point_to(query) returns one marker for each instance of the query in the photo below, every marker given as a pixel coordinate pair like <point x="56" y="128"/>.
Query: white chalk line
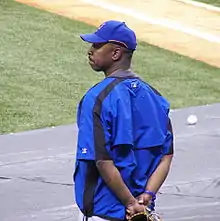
<point x="155" y="21"/>
<point x="201" y="5"/>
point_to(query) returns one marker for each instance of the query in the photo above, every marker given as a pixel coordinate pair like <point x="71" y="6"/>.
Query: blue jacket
<point x="123" y="119"/>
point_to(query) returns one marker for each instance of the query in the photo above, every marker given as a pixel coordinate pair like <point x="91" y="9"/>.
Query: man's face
<point x="101" y="56"/>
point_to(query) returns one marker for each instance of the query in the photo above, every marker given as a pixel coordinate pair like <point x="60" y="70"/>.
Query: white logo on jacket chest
<point x="134" y="84"/>
<point x="84" y="150"/>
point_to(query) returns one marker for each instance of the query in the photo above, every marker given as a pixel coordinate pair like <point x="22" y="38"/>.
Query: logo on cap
<point x="102" y="25"/>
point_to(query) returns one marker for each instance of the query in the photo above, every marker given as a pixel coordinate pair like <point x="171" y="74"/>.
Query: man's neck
<point x="113" y="70"/>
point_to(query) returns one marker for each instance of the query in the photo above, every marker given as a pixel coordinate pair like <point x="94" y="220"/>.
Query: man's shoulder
<point x="106" y="86"/>
<point x="101" y="90"/>
<point x="98" y="87"/>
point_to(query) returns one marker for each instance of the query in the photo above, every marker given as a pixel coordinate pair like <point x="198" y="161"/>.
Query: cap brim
<point x="92" y="38"/>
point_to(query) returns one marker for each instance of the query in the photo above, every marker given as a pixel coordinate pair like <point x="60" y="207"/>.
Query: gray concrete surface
<point x="36" y="172"/>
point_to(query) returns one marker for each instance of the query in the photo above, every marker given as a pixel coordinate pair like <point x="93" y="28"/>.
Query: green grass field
<point x="212" y="2"/>
<point x="44" y="71"/>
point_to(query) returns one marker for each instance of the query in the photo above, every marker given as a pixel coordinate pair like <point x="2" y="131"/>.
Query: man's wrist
<point x="130" y="201"/>
<point x="151" y="193"/>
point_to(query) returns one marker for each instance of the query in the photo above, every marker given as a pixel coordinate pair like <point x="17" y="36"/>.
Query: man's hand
<point x="133" y="208"/>
<point x="144" y="199"/>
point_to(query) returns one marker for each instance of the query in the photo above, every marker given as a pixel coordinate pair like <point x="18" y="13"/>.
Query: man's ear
<point x="116" y="54"/>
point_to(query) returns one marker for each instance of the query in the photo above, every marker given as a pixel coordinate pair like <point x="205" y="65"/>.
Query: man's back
<point x="124" y="120"/>
<point x="149" y="112"/>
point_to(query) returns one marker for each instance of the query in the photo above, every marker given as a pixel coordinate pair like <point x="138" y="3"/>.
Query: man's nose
<point x="90" y="51"/>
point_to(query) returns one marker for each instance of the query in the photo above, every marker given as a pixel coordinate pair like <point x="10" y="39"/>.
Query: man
<point x="124" y="148"/>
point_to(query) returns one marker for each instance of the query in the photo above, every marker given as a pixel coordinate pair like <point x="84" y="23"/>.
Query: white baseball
<point x="192" y="119"/>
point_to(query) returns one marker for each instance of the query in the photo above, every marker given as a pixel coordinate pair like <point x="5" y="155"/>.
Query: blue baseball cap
<point x="112" y="31"/>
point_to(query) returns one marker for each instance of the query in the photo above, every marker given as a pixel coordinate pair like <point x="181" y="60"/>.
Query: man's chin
<point x="95" y="68"/>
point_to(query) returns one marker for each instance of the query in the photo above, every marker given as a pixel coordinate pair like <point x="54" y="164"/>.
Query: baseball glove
<point x="144" y="216"/>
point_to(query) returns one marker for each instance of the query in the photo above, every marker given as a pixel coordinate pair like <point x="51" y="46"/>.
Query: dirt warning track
<point x="177" y="25"/>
